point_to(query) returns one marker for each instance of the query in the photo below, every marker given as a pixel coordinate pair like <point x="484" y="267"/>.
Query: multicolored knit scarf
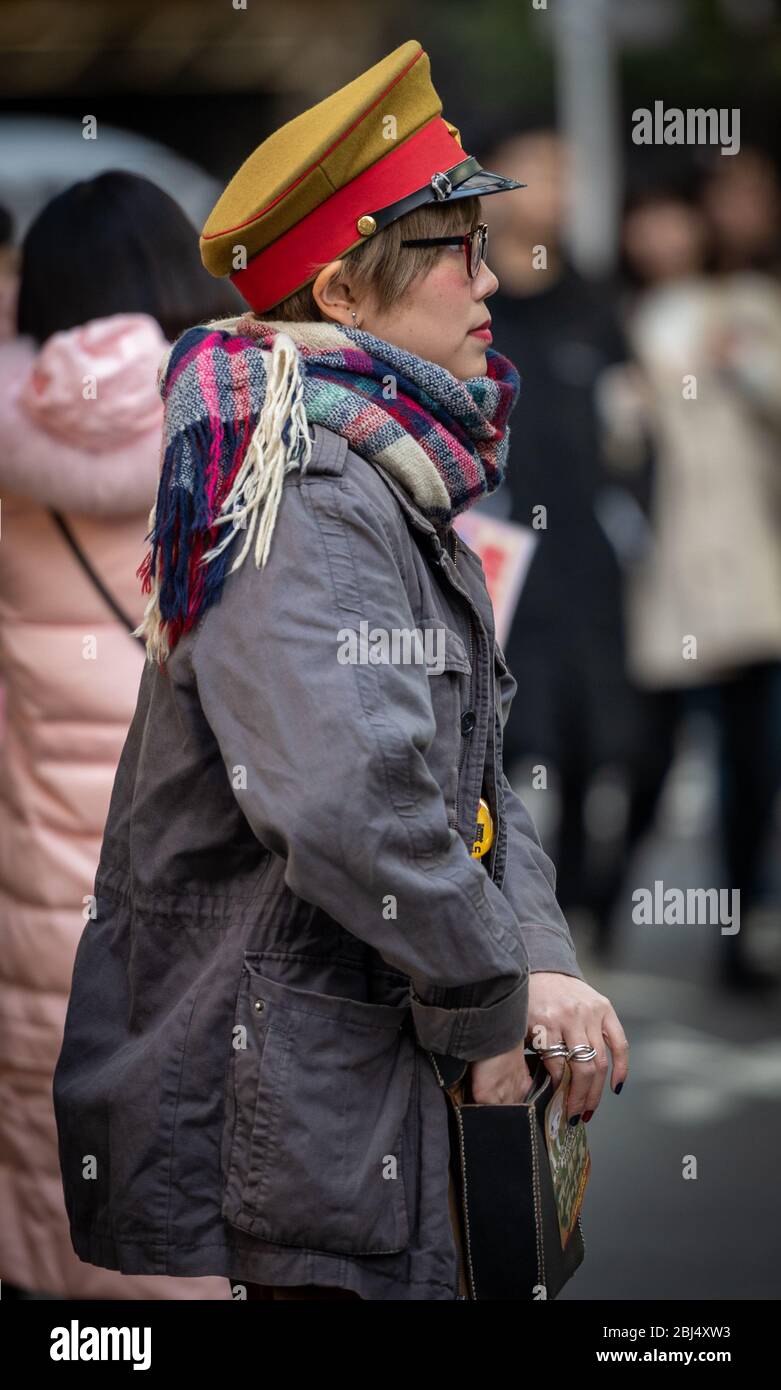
<point x="239" y="395"/>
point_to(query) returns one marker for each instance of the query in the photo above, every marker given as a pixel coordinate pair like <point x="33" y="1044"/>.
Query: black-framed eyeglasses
<point x="475" y="244"/>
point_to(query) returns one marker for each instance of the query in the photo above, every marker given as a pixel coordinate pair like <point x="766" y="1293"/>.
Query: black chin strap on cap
<point x="441" y="185"/>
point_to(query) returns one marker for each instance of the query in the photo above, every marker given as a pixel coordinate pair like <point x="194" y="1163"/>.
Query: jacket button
<point x="260" y="1005"/>
<point x="468" y="721"/>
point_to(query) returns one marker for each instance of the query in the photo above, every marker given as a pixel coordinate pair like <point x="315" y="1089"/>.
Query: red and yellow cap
<point x="335" y="175"/>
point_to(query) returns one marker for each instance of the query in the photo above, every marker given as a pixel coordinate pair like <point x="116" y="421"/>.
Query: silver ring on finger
<point x="558" y="1049"/>
<point x="582" y="1052"/>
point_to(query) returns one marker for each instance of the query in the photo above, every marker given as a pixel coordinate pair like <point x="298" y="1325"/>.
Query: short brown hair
<point x="382" y="264"/>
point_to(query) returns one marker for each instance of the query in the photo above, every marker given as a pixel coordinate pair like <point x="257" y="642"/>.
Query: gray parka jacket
<point x="287" y="916"/>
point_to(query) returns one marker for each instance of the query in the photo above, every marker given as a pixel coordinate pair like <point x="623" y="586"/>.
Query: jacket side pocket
<point x="315" y="1119"/>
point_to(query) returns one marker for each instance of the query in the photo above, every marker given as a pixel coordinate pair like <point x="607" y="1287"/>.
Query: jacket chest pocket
<point x="316" y="1119"/>
<point x="448" y="669"/>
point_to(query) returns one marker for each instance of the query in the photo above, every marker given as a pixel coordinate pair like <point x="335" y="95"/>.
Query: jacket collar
<point x="414" y="513"/>
<point x="329" y="449"/>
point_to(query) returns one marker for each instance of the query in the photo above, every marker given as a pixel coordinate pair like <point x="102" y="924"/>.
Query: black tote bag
<point x="507" y="1200"/>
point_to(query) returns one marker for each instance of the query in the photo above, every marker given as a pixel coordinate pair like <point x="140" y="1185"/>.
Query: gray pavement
<point x="704" y="1093"/>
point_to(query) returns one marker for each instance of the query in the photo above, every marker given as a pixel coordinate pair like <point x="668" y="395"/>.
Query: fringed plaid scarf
<point x="239" y="394"/>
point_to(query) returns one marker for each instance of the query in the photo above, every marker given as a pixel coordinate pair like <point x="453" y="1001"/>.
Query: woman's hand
<point x="564" y="1008"/>
<point x="561" y="1008"/>
<point x="500" y="1080"/>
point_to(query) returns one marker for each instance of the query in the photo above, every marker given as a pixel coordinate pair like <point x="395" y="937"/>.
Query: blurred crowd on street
<point x="649" y="429"/>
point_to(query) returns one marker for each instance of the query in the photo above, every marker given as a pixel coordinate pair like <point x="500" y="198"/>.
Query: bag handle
<point x="83" y="560"/>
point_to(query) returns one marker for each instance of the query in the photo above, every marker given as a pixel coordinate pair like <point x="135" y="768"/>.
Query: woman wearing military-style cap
<point x="315" y="878"/>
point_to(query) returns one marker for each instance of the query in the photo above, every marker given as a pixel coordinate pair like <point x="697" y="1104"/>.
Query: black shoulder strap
<point x="96" y="580"/>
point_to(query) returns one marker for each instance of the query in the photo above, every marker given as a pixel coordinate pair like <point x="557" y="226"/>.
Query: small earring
<point x="356" y="324"/>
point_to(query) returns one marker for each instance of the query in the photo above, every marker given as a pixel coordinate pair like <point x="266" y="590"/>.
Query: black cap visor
<point x="481" y="184"/>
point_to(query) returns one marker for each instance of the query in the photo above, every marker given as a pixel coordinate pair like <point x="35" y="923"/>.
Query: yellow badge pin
<point x="485" y="830"/>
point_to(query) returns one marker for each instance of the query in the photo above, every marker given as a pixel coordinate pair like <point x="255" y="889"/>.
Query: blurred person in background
<point x="110" y="274"/>
<point x="575" y="712"/>
<point x="741" y="197"/>
<point x="705" y="599"/>
<point x="9" y="279"/>
<point x="9" y="276"/>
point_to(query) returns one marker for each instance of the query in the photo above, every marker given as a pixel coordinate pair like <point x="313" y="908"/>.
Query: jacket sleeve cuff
<point x="473" y="1033"/>
<point x="549" y="949"/>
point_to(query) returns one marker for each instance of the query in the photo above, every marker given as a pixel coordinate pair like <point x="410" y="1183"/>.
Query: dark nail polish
<point x="587" y="1116"/>
<point x="618" y="1088"/>
<point x="573" y="1119"/>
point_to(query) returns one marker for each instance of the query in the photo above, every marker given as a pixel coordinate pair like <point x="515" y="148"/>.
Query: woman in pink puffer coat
<point x="80" y="421"/>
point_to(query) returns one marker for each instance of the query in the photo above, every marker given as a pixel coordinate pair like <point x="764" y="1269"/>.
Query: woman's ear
<point x="332" y="294"/>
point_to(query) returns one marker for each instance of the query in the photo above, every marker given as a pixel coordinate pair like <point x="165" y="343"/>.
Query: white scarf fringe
<point x="257" y="488"/>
